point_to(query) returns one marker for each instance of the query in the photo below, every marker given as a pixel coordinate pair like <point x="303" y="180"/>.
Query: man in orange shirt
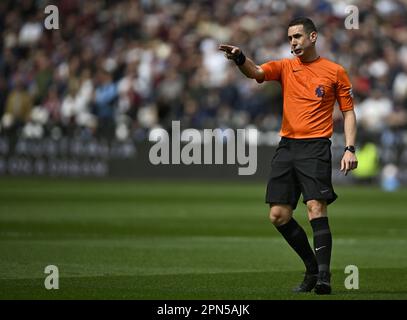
<point x="302" y="162"/>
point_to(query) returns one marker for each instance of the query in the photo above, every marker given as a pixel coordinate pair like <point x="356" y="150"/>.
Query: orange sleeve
<point x="272" y="70"/>
<point x="344" y="93"/>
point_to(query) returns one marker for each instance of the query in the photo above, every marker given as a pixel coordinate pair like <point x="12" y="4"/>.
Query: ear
<point x="313" y="36"/>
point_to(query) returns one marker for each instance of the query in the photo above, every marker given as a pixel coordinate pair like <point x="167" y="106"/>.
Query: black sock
<point x="322" y="242"/>
<point x="296" y="237"/>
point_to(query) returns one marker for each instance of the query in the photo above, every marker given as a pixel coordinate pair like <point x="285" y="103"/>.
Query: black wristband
<point x="240" y="59"/>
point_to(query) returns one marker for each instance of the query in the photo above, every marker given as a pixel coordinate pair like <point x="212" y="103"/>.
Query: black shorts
<point x="301" y="166"/>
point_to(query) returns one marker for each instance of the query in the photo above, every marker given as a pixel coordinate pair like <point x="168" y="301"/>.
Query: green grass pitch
<point x="186" y="240"/>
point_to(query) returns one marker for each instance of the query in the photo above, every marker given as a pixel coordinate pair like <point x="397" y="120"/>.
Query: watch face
<point x="350" y="148"/>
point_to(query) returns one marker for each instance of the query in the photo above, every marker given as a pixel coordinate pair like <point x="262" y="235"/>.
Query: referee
<point x="302" y="163"/>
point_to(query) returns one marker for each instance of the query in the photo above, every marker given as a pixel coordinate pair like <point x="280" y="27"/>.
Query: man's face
<point x="299" y="40"/>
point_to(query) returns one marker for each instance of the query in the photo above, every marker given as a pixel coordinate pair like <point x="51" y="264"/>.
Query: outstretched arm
<point x="246" y="65"/>
<point x="349" y="160"/>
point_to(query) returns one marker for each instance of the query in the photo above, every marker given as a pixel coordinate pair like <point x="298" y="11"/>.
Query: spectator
<point x="373" y="112"/>
<point x="104" y="103"/>
<point x="18" y="106"/>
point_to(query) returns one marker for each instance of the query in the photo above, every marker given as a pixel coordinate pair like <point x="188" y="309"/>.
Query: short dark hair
<point x="307" y="23"/>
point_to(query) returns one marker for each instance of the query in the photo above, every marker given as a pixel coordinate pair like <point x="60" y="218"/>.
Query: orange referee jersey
<point x="310" y="91"/>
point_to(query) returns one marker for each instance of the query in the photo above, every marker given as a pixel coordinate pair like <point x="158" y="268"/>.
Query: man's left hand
<point x="349" y="162"/>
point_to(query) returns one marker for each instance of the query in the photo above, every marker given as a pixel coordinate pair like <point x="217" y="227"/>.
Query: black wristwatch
<point x="350" y="148"/>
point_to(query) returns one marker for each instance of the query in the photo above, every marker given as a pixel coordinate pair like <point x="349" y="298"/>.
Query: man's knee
<point x="316" y="209"/>
<point x="280" y="214"/>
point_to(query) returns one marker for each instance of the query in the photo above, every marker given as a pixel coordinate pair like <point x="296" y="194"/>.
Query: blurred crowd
<point x="118" y="68"/>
